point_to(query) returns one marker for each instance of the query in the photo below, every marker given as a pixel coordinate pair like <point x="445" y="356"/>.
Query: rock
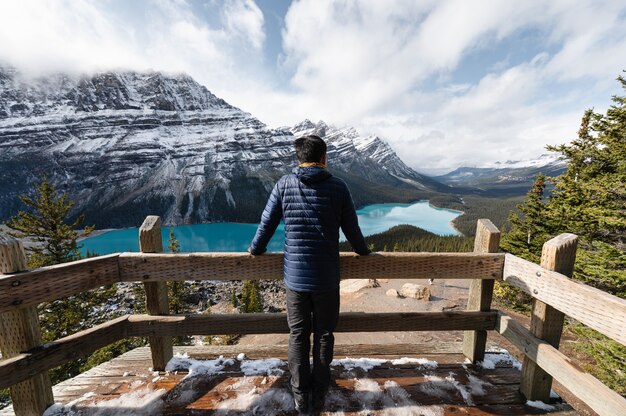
<point x="411" y="290"/>
<point x="354" y="285"/>
<point x="392" y="293"/>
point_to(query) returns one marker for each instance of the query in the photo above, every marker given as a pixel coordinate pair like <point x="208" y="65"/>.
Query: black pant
<point x="319" y="312"/>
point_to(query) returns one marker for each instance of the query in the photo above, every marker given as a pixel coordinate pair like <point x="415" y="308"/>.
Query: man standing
<point x="314" y="205"/>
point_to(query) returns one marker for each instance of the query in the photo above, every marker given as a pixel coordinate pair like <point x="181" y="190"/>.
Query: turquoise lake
<point x="234" y="237"/>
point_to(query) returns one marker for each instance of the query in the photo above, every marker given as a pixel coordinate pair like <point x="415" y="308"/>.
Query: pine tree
<point x="528" y="232"/>
<point x="173" y="243"/>
<point x="44" y="222"/>
<point x="176" y="288"/>
<point x="233" y="298"/>
<point x="251" y="300"/>
<point x="589" y="199"/>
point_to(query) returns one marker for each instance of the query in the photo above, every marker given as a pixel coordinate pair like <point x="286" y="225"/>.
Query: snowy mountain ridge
<point x="504" y="178"/>
<point x="543" y="160"/>
<point x="126" y="144"/>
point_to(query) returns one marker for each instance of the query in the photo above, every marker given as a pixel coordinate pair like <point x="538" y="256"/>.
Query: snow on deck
<point x="236" y="380"/>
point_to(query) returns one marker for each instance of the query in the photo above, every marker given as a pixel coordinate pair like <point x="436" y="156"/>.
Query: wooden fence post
<point x="20" y="331"/>
<point x="481" y="291"/>
<point x="546" y="323"/>
<point x="156" y="292"/>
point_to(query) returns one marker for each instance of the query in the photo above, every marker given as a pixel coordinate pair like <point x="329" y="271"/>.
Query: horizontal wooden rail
<point x="21" y="367"/>
<point x="142" y="267"/>
<point x="54" y="282"/>
<point x="584" y="386"/>
<point x="597" y="309"/>
<point x="274" y="323"/>
<point x="83" y="343"/>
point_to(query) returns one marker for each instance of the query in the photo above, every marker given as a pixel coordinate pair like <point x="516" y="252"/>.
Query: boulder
<point x="355" y="285"/>
<point x="392" y="293"/>
<point x="411" y="290"/>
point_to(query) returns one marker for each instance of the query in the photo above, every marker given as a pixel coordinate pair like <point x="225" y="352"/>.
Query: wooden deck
<point x="127" y="385"/>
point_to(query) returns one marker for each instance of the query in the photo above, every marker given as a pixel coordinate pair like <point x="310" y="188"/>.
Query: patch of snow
<point x="538" y="404"/>
<point x="491" y="360"/>
<point x="142" y="402"/>
<point x="138" y="402"/>
<point x="441" y="387"/>
<point x="365" y="364"/>
<point x="241" y="356"/>
<point x="270" y="366"/>
<point x="367" y="390"/>
<point x="55" y="409"/>
<point x="394" y="399"/>
<point x="476" y="385"/>
<point x="258" y="402"/>
<point x="554" y="395"/>
<point x="424" y="362"/>
<point x="183" y="362"/>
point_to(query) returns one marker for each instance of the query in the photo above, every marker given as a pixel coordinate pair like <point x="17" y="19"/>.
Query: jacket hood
<point x="311" y="174"/>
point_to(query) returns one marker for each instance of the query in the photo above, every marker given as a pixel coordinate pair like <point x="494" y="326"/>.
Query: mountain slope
<point x="126" y="144"/>
<point x="508" y="178"/>
<point x="349" y="151"/>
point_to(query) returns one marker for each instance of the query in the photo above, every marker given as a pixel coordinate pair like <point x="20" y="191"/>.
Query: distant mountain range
<point x="503" y="178"/>
<point x="124" y="145"/>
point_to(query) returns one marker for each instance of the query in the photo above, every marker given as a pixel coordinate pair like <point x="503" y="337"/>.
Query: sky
<point x="446" y="83"/>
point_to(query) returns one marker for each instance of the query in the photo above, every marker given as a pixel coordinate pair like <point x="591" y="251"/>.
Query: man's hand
<point x="255" y="253"/>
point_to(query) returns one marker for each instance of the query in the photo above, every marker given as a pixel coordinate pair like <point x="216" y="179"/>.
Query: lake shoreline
<point x="236" y="237"/>
<point x="451" y="223"/>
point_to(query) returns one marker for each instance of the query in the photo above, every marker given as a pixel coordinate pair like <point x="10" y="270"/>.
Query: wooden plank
<point x="55" y="282"/>
<point x="559" y="255"/>
<point x="142" y="267"/>
<point x="19" y="331"/>
<point x="584" y="386"/>
<point x="481" y="291"/>
<point x="157" y="303"/>
<point x="276" y="323"/>
<point x="53" y="354"/>
<point x="597" y="309"/>
<point x="445" y="351"/>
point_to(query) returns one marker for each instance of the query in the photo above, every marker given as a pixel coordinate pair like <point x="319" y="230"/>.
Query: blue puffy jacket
<point x="313" y="204"/>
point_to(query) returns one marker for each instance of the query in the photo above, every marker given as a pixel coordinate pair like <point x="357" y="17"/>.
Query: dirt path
<point x="445" y="295"/>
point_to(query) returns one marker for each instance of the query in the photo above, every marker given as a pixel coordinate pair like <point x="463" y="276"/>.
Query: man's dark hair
<point x="310" y="149"/>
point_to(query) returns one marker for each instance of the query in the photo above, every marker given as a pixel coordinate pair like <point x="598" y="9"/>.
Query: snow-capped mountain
<point x="348" y="151"/>
<point x="546" y="159"/>
<point x="510" y="177"/>
<point x="124" y="145"/>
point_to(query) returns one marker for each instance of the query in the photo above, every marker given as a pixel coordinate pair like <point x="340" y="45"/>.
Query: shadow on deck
<point x="439" y="384"/>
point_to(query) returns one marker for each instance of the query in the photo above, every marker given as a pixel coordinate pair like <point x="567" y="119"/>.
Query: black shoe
<point x="301" y="402"/>
<point x="319" y="398"/>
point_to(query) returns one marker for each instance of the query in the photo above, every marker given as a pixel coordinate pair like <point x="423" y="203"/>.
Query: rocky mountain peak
<point x="151" y="91"/>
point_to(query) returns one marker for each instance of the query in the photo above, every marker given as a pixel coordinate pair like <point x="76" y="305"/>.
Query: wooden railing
<point x="26" y="361"/>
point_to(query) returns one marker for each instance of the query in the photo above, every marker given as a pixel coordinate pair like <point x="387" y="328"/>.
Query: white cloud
<point x="383" y="66"/>
<point x="245" y="18"/>
<point x="91" y="35"/>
